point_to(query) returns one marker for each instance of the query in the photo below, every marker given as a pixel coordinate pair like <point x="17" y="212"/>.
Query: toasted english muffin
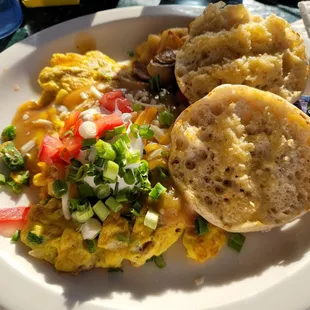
<point x="241" y="158"/>
<point x="228" y="45"/>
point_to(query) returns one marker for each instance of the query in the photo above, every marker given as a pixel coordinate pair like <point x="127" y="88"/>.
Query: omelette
<point x="96" y="147"/>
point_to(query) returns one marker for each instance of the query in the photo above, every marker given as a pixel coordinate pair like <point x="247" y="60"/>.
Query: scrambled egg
<point x="201" y="248"/>
<point x="69" y="72"/>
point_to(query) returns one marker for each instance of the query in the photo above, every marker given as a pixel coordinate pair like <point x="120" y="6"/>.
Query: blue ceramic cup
<point x="11" y="17"/>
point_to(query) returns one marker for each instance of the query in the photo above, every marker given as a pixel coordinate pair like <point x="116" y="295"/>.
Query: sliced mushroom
<point x="166" y="57"/>
<point x="128" y="81"/>
<point x="165" y="71"/>
<point x="139" y="69"/>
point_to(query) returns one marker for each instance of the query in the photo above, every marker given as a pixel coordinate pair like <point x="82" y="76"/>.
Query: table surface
<point x="36" y="19"/>
<point x="40" y="18"/>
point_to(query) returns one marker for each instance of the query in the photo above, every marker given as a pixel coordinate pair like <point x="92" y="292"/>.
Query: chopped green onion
<point x="68" y="133"/>
<point x="125" y="138"/>
<point x="2" y="178"/>
<point x="145" y="131"/>
<point x="87" y="143"/>
<point x="91" y="245"/>
<point x="157" y="190"/>
<point x="154" y="82"/>
<point x="21" y="177"/>
<point x="137" y="206"/>
<point x="82" y="172"/>
<point x="129" y="177"/>
<point x="151" y="219"/>
<point x="119" y="130"/>
<point x="34" y="238"/>
<point x="161" y="172"/>
<point x="113" y="204"/>
<point x="75" y="163"/>
<point x="80" y="205"/>
<point x="12" y="158"/>
<point x="101" y="210"/>
<point x="141" y="174"/>
<point x="121" y="198"/>
<point x="99" y="162"/>
<point x="159" y="261"/>
<point x="82" y="217"/>
<point x="165" y="118"/>
<point x="133" y="157"/>
<point x="109" y="134"/>
<point x="120" y="146"/>
<point x="86" y="190"/>
<point x="134" y="212"/>
<point x="131" y="53"/>
<point x="201" y="226"/>
<point x="115" y="270"/>
<point x="110" y="170"/>
<point x="134" y="129"/>
<point x="15" y="187"/>
<point x="136" y="107"/>
<point x="105" y="150"/>
<point x="236" y="241"/>
<point x="60" y="188"/>
<point x="16" y="236"/>
<point x="103" y="191"/>
<point x="8" y="133"/>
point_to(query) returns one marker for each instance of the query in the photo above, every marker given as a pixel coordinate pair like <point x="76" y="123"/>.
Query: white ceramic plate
<point x="271" y="272"/>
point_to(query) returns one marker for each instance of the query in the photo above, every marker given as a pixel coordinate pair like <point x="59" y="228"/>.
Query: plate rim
<point x="288" y="294"/>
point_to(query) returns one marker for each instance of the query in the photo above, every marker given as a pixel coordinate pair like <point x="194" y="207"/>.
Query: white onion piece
<point x="83" y="95"/>
<point x="156" y="153"/>
<point x="158" y="133"/>
<point x="126" y="117"/>
<point x="82" y="157"/>
<point x="122" y="184"/>
<point x="137" y="145"/>
<point x="88" y="130"/>
<point x="95" y="92"/>
<point x="90" y="229"/>
<point x="132" y="166"/>
<point x="43" y="122"/>
<point x="65" y="205"/>
<point x="90" y="181"/>
<point x="27" y="147"/>
<point x="87" y="115"/>
<point x="92" y="153"/>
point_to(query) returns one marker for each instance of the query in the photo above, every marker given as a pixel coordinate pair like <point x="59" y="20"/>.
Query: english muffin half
<point x="229" y="45"/>
<point x="241" y="158"/>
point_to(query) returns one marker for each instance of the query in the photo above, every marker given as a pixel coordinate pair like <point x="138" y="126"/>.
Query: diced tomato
<point x="76" y="128"/>
<point x="13" y="214"/>
<point x="108" y="122"/>
<point x="109" y="100"/>
<point x="124" y="105"/>
<point x="70" y="122"/>
<point x="50" y="147"/>
<point x="72" y="145"/>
